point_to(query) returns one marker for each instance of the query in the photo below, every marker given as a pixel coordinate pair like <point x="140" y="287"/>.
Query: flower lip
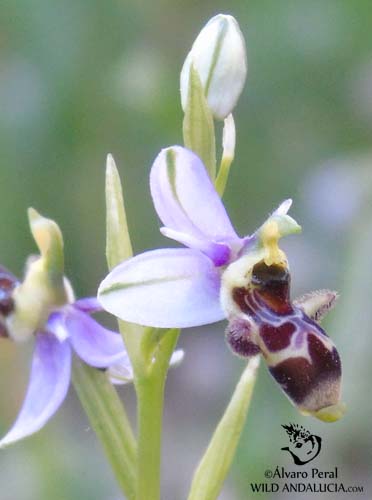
<point x="300" y="356"/>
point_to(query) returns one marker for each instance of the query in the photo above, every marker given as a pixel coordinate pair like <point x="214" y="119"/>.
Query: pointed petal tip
<point x="329" y="414"/>
<point x="110" y="162"/>
<point x="317" y="304"/>
<point x="32" y="213"/>
<point x="284" y="207"/>
<point x="229" y="137"/>
<point x="47" y="389"/>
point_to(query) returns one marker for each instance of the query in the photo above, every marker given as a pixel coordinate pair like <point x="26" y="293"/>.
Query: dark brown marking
<point x="299" y="378"/>
<point x="277" y="338"/>
<point x="7" y="284"/>
<point x="272" y="284"/>
<point x="239" y="297"/>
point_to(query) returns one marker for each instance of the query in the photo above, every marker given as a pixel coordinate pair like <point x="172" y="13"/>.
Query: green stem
<point x="109" y="421"/>
<point x="150" y="394"/>
<point x="150" y="413"/>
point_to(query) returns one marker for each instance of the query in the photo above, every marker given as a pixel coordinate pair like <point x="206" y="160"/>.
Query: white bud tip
<point x="229" y="137"/>
<point x="219" y="56"/>
<point x="110" y="162"/>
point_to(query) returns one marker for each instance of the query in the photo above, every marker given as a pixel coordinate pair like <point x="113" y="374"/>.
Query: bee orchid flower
<point x="43" y="307"/>
<point x="180" y="287"/>
<point x="177" y="287"/>
<point x="222" y="275"/>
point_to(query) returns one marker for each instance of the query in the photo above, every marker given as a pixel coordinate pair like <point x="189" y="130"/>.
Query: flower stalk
<point x="150" y="394"/>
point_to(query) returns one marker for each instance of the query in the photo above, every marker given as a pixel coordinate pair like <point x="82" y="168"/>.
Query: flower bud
<point x="219" y="56"/>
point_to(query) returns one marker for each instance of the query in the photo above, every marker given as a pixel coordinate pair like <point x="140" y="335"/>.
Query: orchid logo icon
<point x="304" y="446"/>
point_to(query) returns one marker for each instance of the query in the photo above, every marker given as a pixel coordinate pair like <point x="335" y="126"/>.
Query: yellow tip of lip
<point x="329" y="413"/>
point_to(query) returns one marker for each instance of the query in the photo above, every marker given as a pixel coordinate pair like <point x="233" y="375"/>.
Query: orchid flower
<point x="218" y="276"/>
<point x="43" y="307"/>
<point x="60" y="326"/>
<point x="176" y="287"/>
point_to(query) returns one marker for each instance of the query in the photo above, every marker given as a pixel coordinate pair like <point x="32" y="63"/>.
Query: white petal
<point x="164" y="288"/>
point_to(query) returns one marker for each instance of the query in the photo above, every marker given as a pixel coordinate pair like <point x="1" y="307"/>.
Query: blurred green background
<point x="80" y="79"/>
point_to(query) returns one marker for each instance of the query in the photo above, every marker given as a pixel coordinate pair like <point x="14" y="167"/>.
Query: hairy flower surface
<point x="221" y="275"/>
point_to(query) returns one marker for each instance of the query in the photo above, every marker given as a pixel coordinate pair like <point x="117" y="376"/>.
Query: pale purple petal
<point x="219" y="252"/>
<point x="248" y="243"/>
<point x="48" y="385"/>
<point x="185" y="198"/>
<point x="88" y="304"/>
<point x="121" y="372"/>
<point x="93" y="343"/>
<point x="164" y="288"/>
<point x="56" y="325"/>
